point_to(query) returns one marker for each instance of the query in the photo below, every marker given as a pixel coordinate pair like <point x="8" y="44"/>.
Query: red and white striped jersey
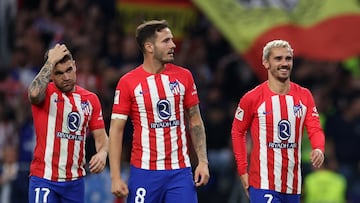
<point x="61" y="124"/>
<point x="276" y="125"/>
<point x="156" y="105"/>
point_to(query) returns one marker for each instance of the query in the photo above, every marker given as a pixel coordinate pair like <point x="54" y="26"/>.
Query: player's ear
<point x="149" y="47"/>
<point x="74" y="65"/>
<point x="266" y="64"/>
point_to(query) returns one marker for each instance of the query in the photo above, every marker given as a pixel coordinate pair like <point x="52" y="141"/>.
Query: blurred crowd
<point x="104" y="52"/>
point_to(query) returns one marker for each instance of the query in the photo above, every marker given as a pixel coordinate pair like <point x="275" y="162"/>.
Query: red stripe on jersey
<point x="150" y="117"/>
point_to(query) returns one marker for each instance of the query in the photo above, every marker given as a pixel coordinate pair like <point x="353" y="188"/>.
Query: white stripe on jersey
<point x="49" y="145"/>
<point x="145" y="158"/>
<point x="291" y="151"/>
<point x="264" y="180"/>
<point x="277" y="151"/>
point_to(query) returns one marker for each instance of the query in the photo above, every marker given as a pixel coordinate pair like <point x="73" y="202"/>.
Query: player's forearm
<point x="102" y="143"/>
<point x="240" y="150"/>
<point x="197" y="132"/>
<point x="115" y="149"/>
<point x="199" y="142"/>
<point x="37" y="88"/>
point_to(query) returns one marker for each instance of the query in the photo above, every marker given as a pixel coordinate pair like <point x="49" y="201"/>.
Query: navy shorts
<point x="161" y="186"/>
<point x="47" y="191"/>
<point x="270" y="196"/>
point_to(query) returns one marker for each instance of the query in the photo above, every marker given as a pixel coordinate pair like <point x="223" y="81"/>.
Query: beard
<point x="163" y="57"/>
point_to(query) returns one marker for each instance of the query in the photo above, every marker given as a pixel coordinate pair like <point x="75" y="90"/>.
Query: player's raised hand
<point x="57" y="53"/>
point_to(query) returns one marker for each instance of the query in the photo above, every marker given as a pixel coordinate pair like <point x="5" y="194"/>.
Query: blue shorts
<point x="161" y="186"/>
<point x="270" y="196"/>
<point x="47" y="191"/>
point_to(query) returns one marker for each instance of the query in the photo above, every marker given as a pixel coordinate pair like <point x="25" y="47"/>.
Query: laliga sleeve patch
<point x="239" y="114"/>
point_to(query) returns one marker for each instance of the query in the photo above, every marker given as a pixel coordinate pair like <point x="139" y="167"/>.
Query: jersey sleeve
<point x="122" y="98"/>
<point x="96" y="120"/>
<point x="191" y="95"/>
<point x="241" y="123"/>
<point x="312" y="124"/>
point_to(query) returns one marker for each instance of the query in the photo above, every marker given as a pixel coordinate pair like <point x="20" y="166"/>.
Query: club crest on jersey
<point x="85" y="106"/>
<point x="298" y="112"/>
<point x="175" y="87"/>
<point x="73" y="121"/>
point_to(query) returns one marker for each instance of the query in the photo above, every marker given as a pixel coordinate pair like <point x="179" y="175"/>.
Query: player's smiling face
<point x="164" y="46"/>
<point x="280" y="63"/>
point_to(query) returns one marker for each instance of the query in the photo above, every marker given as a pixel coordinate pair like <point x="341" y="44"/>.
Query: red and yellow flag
<point x="320" y="30"/>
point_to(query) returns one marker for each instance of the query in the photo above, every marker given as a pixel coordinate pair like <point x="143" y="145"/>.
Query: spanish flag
<point x="319" y="30"/>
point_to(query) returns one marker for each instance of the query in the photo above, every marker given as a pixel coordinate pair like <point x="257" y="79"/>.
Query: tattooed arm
<point x="37" y="88"/>
<point x="198" y="137"/>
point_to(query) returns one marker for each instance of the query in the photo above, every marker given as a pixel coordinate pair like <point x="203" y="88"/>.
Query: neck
<point x="152" y="66"/>
<point x="279" y="87"/>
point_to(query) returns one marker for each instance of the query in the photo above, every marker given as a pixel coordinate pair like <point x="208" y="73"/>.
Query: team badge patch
<point x="175" y="87"/>
<point x="85" y="106"/>
<point x="298" y="112"/>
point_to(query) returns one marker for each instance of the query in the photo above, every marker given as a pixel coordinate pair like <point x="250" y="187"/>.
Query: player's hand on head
<point x="56" y="53"/>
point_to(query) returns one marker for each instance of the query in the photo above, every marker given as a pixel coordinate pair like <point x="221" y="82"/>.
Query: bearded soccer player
<point x="63" y="114"/>
<point x="276" y="113"/>
<point x="157" y="95"/>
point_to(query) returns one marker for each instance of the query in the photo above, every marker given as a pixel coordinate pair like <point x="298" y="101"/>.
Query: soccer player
<point x="63" y="114"/>
<point x="276" y="112"/>
<point x="161" y="99"/>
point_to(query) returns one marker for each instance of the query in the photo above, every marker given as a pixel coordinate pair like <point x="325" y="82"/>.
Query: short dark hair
<point x="147" y="30"/>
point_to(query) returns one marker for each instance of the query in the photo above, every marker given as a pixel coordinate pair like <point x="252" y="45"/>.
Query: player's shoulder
<point x="84" y="92"/>
<point x="256" y="91"/>
<point x="177" y="69"/>
<point x="133" y="73"/>
<point x="298" y="88"/>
